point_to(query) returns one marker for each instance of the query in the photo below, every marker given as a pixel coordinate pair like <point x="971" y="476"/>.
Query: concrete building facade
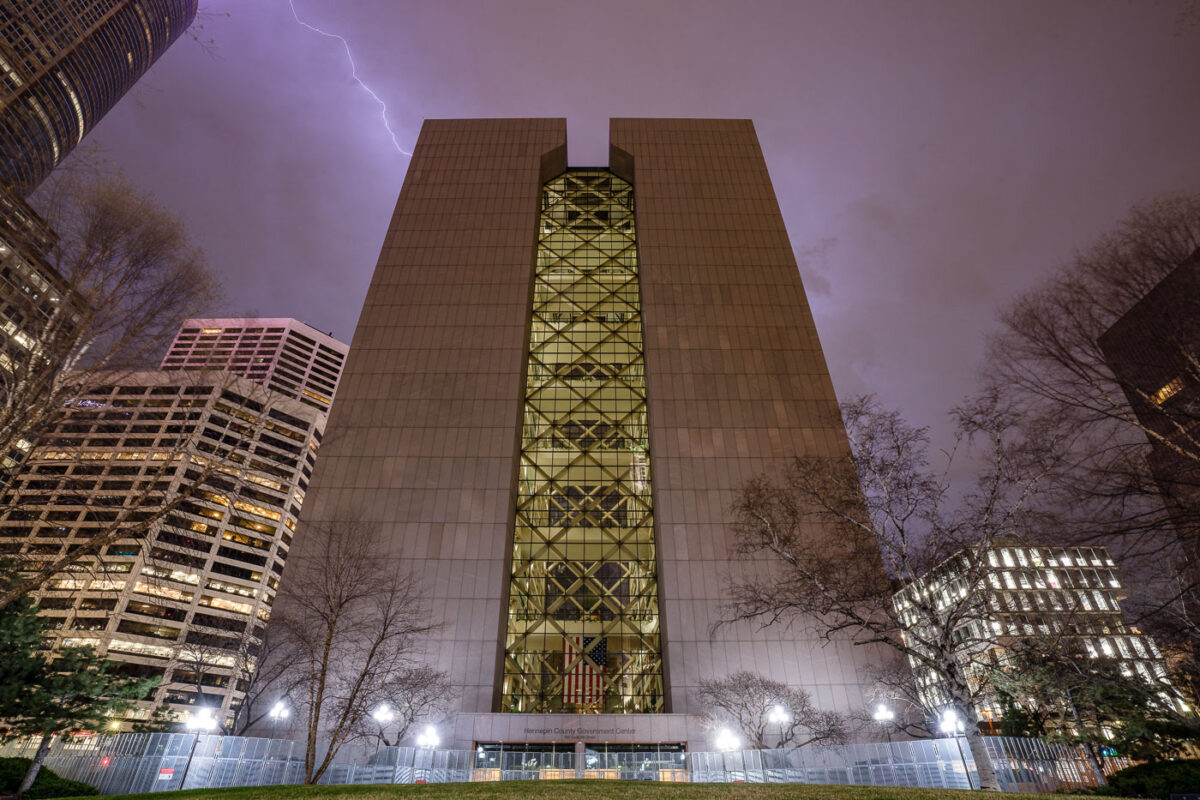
<point x="559" y="381"/>
<point x="1029" y="593"/>
<point x="285" y="355"/>
<point x="208" y="472"/>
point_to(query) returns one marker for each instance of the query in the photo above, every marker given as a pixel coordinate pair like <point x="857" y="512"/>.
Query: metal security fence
<point x="129" y="763"/>
<point x="150" y="762"/>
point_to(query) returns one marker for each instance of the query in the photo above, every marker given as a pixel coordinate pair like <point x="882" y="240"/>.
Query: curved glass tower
<point x="583" y="620"/>
<point x="63" y="65"/>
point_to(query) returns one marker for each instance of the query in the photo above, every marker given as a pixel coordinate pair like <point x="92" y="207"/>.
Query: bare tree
<point x="419" y="694"/>
<point x="131" y="276"/>
<point x="826" y="524"/>
<point x="203" y="663"/>
<point x="261" y="669"/>
<point x="350" y="622"/>
<point x="1127" y="471"/>
<point x="915" y="712"/>
<point x="184" y="468"/>
<point x="764" y="709"/>
<point x="103" y="295"/>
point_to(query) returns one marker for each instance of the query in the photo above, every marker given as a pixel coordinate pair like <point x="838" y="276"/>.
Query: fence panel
<point x="153" y="762"/>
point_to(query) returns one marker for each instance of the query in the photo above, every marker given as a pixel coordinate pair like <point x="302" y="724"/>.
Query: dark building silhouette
<point x="1152" y="351"/>
<point x="63" y="65"/>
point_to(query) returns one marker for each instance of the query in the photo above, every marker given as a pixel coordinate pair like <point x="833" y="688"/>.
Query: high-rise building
<point x="63" y="65"/>
<point x="217" y="467"/>
<point x="1070" y="595"/>
<point x="39" y="312"/>
<point x="1151" y="350"/>
<point x="285" y="355"/>
<point x="560" y="379"/>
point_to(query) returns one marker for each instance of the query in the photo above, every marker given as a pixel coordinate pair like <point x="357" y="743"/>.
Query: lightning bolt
<point x="354" y="74"/>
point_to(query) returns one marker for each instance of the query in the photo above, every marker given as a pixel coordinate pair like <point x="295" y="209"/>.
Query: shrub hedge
<point x="1156" y="779"/>
<point x="48" y="783"/>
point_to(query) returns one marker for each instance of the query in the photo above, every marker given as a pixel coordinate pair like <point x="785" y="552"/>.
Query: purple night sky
<point x="932" y="159"/>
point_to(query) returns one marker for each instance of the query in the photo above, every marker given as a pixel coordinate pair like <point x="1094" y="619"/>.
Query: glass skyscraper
<point x="63" y="65"/>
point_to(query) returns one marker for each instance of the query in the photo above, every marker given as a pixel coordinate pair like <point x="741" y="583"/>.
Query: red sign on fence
<point x="166" y="773"/>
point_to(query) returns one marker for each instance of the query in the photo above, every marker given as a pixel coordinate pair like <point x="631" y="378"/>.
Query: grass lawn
<point x="573" y="789"/>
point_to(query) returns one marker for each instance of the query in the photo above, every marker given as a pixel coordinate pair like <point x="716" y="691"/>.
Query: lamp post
<point x="726" y="742"/>
<point x="200" y="721"/>
<point x="884" y="716"/>
<point x="278" y="713"/>
<point x="780" y="717"/>
<point x="952" y="726"/>
<point x="428" y="739"/>
<point x="383" y="715"/>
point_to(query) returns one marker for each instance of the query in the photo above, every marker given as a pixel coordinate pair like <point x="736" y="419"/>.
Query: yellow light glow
<point x="1168" y="391"/>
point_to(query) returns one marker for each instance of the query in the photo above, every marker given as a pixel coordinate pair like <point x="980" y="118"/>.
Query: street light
<point x="278" y="713"/>
<point x="951" y="725"/>
<point x="780" y="717"/>
<point x="429" y="738"/>
<point x="726" y="740"/>
<point x="884" y="716"/>
<point x="383" y="714"/>
<point x="202" y="720"/>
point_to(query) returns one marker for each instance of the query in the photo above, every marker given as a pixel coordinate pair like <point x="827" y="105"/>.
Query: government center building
<point x="559" y="381"/>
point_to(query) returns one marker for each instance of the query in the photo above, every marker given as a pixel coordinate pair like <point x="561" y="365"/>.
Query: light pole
<point x="780" y="717"/>
<point x="201" y="720"/>
<point x="726" y="742"/>
<point x="884" y="716"/>
<point x="427" y="740"/>
<point x="383" y="715"/>
<point x="953" y="726"/>
<point x="278" y="713"/>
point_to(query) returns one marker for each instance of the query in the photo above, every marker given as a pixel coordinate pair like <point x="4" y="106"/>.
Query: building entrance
<point x="663" y="761"/>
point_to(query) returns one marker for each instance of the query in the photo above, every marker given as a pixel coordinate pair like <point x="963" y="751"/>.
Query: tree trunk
<point x="960" y="695"/>
<point x="983" y="764"/>
<point x="1097" y="764"/>
<point x="1097" y="767"/>
<point x="36" y="765"/>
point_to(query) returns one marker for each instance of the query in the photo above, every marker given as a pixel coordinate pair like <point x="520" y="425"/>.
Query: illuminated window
<point x="1168" y="391"/>
<point x="241" y="505"/>
<point x="583" y="625"/>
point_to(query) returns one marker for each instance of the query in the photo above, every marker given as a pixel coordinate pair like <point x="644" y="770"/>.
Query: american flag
<point x="584" y="659"/>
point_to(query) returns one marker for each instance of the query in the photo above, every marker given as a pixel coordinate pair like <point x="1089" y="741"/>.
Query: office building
<point x="1151" y="351"/>
<point x="63" y="65"/>
<point x="560" y="379"/>
<point x="1029" y="593"/>
<point x="285" y="355"/>
<point x="39" y="317"/>
<point x="229" y="461"/>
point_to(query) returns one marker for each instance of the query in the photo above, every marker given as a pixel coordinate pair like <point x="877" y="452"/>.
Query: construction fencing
<point x="150" y="762"/>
